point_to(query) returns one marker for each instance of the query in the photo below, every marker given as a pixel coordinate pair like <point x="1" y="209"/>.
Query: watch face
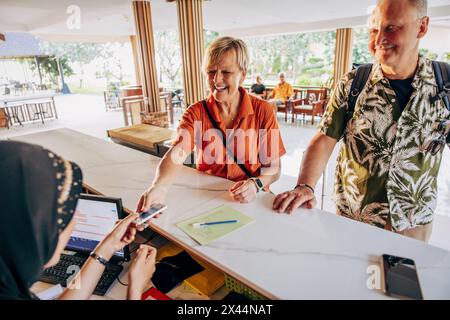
<point x="259" y="183"/>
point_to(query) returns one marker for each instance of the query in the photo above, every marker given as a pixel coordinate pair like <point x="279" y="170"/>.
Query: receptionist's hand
<point x="155" y="194"/>
<point x="141" y="271"/>
<point x="123" y="234"/>
<point x="244" y="191"/>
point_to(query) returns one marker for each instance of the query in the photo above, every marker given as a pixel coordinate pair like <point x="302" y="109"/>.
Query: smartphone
<point x="154" y="209"/>
<point x="400" y="277"/>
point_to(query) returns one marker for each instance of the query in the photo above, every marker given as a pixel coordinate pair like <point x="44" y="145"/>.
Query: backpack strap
<point x="224" y="141"/>
<point x="361" y="77"/>
<point x="442" y="75"/>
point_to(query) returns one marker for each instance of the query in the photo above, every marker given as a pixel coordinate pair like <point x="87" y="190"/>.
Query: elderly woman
<point x="229" y="114"/>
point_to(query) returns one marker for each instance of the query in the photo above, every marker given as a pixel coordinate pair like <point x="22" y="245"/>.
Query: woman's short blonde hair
<point x="222" y="45"/>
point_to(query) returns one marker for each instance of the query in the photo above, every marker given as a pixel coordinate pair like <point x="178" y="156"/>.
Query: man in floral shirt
<point x="385" y="174"/>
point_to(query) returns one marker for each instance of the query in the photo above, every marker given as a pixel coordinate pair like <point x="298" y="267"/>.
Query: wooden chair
<point x="111" y="98"/>
<point x="166" y="102"/>
<point x="284" y="108"/>
<point x="178" y="99"/>
<point x="132" y="110"/>
<point x="268" y="93"/>
<point x="313" y="104"/>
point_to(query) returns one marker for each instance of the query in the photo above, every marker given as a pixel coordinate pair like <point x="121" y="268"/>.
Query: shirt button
<point x="393" y="100"/>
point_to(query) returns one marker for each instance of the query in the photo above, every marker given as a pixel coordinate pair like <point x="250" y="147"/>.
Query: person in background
<point x="258" y="89"/>
<point x="282" y="92"/>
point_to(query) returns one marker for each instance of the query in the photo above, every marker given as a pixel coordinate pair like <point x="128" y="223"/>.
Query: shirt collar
<point x="245" y="108"/>
<point x="423" y="73"/>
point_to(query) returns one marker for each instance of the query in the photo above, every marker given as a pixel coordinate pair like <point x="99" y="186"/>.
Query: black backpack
<point x="441" y="73"/>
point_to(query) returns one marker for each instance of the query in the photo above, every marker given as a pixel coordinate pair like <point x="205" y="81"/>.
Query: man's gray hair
<point x="281" y="74"/>
<point x="421" y="6"/>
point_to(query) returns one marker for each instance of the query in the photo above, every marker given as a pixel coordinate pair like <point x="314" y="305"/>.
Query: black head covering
<point x="38" y="195"/>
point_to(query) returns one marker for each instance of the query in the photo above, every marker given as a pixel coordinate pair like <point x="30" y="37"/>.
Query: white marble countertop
<point x="311" y="254"/>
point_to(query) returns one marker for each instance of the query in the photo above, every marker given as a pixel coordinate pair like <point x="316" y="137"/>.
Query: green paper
<point x="206" y="234"/>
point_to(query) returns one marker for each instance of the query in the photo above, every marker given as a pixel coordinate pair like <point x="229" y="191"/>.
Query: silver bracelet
<point x="99" y="258"/>
<point x="305" y="185"/>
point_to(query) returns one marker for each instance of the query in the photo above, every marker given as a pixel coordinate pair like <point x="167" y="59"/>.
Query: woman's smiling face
<point x="225" y="78"/>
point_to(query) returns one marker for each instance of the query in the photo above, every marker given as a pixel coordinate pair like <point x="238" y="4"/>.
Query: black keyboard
<point x="69" y="265"/>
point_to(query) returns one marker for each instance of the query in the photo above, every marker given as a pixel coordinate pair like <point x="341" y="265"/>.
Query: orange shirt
<point x="254" y="137"/>
<point x="282" y="91"/>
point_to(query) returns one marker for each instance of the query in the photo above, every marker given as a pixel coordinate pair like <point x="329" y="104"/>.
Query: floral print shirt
<point x="383" y="171"/>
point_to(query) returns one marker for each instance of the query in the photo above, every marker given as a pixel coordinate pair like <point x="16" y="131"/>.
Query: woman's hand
<point x="123" y="234"/>
<point x="154" y="194"/>
<point x="244" y="191"/>
<point x="141" y="271"/>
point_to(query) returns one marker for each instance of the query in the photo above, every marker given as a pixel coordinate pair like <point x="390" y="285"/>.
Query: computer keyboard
<point x="69" y="265"/>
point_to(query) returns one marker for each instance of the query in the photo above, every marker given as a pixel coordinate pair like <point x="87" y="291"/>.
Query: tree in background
<point x="428" y="54"/>
<point x="361" y="52"/>
<point x="168" y="58"/>
<point x="447" y="57"/>
<point x="112" y="69"/>
<point x="50" y="70"/>
<point x="79" y="53"/>
<point x="306" y="58"/>
<point x="209" y="36"/>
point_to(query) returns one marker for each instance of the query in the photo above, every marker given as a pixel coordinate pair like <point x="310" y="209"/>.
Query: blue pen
<point x="204" y="224"/>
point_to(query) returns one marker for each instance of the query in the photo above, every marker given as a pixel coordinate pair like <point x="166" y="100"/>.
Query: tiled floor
<point x="86" y="113"/>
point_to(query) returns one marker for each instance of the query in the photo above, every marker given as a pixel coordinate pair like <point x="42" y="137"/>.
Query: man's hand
<point x="290" y="200"/>
<point x="313" y="165"/>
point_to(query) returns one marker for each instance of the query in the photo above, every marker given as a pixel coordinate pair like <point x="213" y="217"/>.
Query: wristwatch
<point x="258" y="183"/>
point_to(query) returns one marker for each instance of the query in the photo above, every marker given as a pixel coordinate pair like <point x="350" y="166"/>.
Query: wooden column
<point x="342" y="53"/>
<point x="144" y="34"/>
<point x="137" y="69"/>
<point x="190" y="25"/>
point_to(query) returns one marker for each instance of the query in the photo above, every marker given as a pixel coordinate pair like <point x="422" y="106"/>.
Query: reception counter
<point x="311" y="254"/>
